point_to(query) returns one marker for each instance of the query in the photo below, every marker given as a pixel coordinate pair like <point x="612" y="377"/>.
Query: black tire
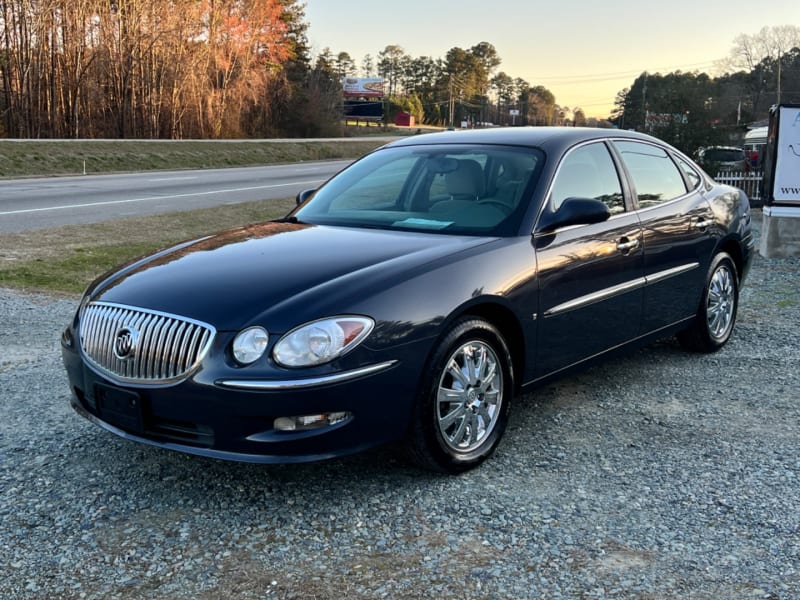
<point x="471" y="369"/>
<point x="713" y="324"/>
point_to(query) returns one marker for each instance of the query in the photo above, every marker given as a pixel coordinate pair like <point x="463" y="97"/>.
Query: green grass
<point x="66" y="259"/>
<point x="28" y="158"/>
<point x="72" y="272"/>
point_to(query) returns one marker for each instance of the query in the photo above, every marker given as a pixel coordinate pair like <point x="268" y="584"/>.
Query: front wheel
<point x="713" y="324"/>
<point x="464" y="399"/>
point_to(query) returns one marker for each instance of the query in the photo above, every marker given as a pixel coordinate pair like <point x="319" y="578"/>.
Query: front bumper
<point x="233" y="418"/>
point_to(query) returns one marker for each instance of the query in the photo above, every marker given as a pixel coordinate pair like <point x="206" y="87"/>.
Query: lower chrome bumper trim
<point x="294" y="384"/>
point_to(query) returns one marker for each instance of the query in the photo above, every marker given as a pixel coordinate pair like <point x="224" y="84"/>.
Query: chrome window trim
<point x="641" y="209"/>
<point x="550" y="232"/>
<point x="611" y="140"/>
<point x="298" y="384"/>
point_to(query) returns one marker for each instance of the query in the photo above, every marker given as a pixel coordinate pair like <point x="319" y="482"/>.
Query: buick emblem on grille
<point x="125" y="343"/>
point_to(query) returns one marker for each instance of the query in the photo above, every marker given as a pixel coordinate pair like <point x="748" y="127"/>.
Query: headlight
<point x="249" y="345"/>
<point x="321" y="341"/>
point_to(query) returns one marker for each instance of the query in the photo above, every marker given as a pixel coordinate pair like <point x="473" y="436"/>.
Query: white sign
<point x="787" y="157"/>
<point x="514" y="112"/>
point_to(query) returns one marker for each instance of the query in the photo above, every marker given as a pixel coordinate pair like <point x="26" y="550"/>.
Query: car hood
<point x="231" y="278"/>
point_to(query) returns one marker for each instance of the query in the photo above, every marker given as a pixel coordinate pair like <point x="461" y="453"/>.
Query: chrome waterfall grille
<point x="142" y="346"/>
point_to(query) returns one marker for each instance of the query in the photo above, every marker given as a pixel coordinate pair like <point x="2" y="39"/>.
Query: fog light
<point x="306" y="422"/>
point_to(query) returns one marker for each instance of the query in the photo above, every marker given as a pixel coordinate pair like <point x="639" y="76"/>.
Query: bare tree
<point x="755" y="52"/>
<point x="142" y="68"/>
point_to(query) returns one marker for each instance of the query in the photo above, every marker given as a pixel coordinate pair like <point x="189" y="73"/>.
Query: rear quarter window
<point x="692" y="176"/>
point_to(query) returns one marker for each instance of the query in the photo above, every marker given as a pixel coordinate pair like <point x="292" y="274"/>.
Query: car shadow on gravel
<point x="536" y="416"/>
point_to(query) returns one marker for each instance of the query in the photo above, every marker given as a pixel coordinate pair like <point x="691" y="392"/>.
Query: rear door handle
<point x="701" y="225"/>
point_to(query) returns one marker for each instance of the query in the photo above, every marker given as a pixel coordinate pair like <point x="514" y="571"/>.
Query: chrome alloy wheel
<point x="721" y="302"/>
<point x="469" y="396"/>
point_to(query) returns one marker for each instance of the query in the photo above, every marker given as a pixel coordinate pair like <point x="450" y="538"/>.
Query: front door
<point x="590" y="276"/>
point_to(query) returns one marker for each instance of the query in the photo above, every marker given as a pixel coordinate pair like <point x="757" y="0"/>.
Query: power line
<point x="618" y="74"/>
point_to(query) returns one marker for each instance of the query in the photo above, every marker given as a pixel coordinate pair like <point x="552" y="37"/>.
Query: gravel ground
<point x="661" y="475"/>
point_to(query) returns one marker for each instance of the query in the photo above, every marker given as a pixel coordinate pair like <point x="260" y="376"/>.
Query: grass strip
<point x="66" y="259"/>
<point x="29" y="158"/>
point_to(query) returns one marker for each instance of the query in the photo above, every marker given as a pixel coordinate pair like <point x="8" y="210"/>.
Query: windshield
<point x="450" y="189"/>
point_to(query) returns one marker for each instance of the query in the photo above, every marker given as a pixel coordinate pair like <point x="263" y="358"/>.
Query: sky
<point x="582" y="51"/>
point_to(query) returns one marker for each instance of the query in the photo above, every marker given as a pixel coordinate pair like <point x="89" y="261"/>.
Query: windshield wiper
<point x="293" y="220"/>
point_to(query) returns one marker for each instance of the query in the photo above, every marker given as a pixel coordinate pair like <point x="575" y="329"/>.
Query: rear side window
<point x="655" y="176"/>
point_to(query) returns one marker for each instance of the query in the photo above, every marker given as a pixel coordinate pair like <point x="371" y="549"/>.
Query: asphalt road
<point x="30" y="204"/>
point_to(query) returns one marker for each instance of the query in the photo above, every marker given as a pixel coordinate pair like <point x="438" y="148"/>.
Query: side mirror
<point x="304" y="195"/>
<point x="574" y="211"/>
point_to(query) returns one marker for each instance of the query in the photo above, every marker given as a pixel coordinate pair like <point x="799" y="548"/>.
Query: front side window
<point x="588" y="172"/>
<point x="450" y="189"/>
<point x="655" y="176"/>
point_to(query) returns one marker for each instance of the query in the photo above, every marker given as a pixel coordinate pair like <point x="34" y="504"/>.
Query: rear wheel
<point x="713" y="324"/>
<point x="464" y="399"/>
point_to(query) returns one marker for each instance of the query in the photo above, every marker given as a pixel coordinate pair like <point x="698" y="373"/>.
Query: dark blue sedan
<point x="412" y="298"/>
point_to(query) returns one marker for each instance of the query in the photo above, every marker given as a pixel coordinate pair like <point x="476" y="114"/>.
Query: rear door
<point x="677" y="224"/>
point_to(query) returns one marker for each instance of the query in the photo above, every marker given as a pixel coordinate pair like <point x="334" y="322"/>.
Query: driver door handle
<point x="627" y="246"/>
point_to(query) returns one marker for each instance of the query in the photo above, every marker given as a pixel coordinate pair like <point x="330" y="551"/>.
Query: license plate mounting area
<point x="120" y="408"/>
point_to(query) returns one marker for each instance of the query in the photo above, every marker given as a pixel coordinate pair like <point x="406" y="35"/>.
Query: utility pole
<point x="644" y="102"/>
<point x="452" y="102"/>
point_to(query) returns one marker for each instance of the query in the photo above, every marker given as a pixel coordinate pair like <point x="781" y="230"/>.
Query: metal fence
<point x="749" y="181"/>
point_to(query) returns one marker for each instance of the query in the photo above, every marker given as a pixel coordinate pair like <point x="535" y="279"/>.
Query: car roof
<point x="757" y="132"/>
<point x="547" y="138"/>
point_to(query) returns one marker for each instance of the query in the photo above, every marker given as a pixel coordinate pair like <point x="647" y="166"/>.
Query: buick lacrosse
<point x="413" y="298"/>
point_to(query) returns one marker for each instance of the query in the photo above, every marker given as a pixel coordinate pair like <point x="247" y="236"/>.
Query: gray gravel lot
<point x="660" y="475"/>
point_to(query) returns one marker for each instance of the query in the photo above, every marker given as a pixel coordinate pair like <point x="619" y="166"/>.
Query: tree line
<point x="182" y="69"/>
<point x="150" y="68"/>
<point x="220" y="69"/>
<point x="695" y="109"/>
<point x="464" y="86"/>
<point x="688" y="109"/>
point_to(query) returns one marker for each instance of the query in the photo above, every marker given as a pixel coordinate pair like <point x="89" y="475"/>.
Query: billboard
<point x="363" y="110"/>
<point x="787" y="156"/>
<point x="782" y="177"/>
<point x="363" y="87"/>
